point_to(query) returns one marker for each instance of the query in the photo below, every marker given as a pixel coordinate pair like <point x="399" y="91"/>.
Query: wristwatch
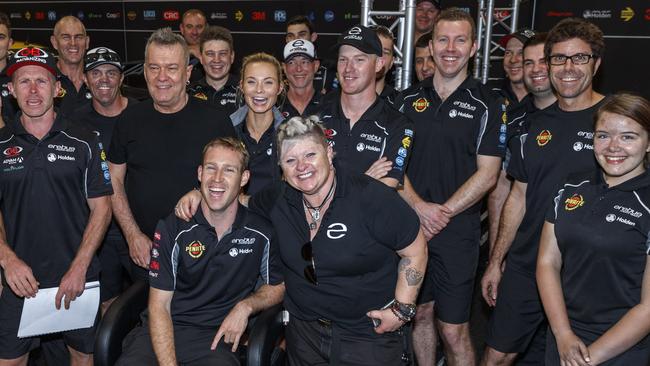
<point x="405" y="312"/>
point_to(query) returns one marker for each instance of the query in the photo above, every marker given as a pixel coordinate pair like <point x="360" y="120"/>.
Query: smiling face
<point x="569" y="80"/>
<point x="357" y="70"/>
<point x="425" y="14"/>
<point x="300" y="71"/>
<point x="536" y="70"/>
<point x="307" y="164"/>
<point x="104" y="83"/>
<point x="452" y="47"/>
<point x="34" y="88"/>
<point x="620" y="147"/>
<point x="191" y="28"/>
<point x="216" y="58"/>
<point x="222" y="176"/>
<point x="70" y="40"/>
<point x="513" y="60"/>
<point x="166" y="73"/>
<point x="261" y="86"/>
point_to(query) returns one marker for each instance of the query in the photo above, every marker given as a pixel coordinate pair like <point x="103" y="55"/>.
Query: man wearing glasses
<point x="559" y="141"/>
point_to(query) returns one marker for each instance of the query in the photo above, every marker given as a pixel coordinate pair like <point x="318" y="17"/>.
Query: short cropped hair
<point x="301" y="19"/>
<point x="166" y="37"/>
<point x="230" y="143"/>
<point x="456" y="15"/>
<point x="216" y="33"/>
<point x="300" y="128"/>
<point x="570" y="28"/>
<point x="4" y="20"/>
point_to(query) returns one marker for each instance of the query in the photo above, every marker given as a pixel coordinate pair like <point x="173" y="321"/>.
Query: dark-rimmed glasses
<point x="577" y="59"/>
<point x="310" y="269"/>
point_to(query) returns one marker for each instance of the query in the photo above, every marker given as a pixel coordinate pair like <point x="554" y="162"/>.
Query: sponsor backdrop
<point x="260" y="25"/>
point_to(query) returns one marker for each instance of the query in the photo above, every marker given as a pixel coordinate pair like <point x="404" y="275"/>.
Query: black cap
<point x="522" y="35"/>
<point x="361" y="38"/>
<point x="31" y="56"/>
<point x="101" y="56"/>
<point x="435" y="3"/>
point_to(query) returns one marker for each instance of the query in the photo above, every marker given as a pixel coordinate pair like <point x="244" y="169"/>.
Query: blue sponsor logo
<point x="402" y="152"/>
<point x="81" y="15"/>
<point x="399" y="161"/>
<point x="408" y="132"/>
<point x="502" y="129"/>
<point x="107" y="176"/>
<point x="329" y="16"/>
<point x="280" y="16"/>
<point x="502" y="138"/>
<point x="104" y="165"/>
<point x="51" y="15"/>
<point x="311" y="16"/>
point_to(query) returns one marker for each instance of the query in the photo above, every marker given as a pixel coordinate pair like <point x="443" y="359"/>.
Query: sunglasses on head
<point x="102" y="55"/>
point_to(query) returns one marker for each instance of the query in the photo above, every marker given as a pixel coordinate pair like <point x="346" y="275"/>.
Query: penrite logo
<point x="258" y="16"/>
<point x="544" y="137"/>
<point x="573" y="202"/>
<point x="131" y="15"/>
<point x="171" y="15"/>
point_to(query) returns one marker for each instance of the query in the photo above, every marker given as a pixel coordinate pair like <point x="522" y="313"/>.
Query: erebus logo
<point x="298" y="43"/>
<point x="336" y="231"/>
<point x="354" y="31"/>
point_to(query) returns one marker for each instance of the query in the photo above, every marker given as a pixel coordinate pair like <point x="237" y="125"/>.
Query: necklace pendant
<point x="312" y="226"/>
<point x="316" y="215"/>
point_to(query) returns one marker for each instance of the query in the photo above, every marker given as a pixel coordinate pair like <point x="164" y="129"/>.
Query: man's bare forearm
<point x="161" y="327"/>
<point x="475" y="188"/>
<point x="495" y="202"/>
<point x="265" y="297"/>
<point x="98" y="221"/>
<point x="511" y="217"/>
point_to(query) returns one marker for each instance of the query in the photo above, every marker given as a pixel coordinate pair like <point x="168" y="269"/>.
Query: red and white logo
<point x="171" y="15"/>
<point x="12" y="152"/>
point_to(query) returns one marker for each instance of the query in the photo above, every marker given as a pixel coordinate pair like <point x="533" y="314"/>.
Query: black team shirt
<point x="210" y="276"/>
<point x="162" y="152"/>
<point x="602" y="233"/>
<point x="557" y="143"/>
<point x="224" y="99"/>
<point x="380" y="132"/>
<point x="44" y="187"/>
<point x="353" y="251"/>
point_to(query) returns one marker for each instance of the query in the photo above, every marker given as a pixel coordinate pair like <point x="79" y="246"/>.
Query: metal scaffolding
<point x="403" y="41"/>
<point x="485" y="24"/>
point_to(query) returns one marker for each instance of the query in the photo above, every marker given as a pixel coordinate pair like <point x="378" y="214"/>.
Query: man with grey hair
<point x="157" y="143"/>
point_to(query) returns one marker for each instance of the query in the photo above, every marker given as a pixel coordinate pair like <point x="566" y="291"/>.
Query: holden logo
<point x="51" y="157"/>
<point x="12" y="151"/>
<point x="298" y="43"/>
<point x="354" y="30"/>
<point x="233" y="252"/>
<point x="610" y="217"/>
<point x="453" y="113"/>
<point x="578" y="146"/>
<point x="360" y="147"/>
<point x="268" y="151"/>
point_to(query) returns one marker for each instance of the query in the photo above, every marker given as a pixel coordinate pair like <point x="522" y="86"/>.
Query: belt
<point x="324" y="322"/>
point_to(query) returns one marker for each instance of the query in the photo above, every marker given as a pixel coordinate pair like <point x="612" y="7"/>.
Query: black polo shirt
<point x="518" y="117"/>
<point x="557" y="143"/>
<point x="354" y="249"/>
<point x="325" y="78"/>
<point x="389" y="94"/>
<point x="381" y="131"/>
<point x="263" y="162"/>
<point x="602" y="233"/>
<point x="450" y="134"/>
<point x="313" y="107"/>
<point x="9" y="103"/>
<point x="69" y="99"/>
<point x="102" y="126"/>
<point x="208" y="275"/>
<point x="44" y="187"/>
<point x="162" y="152"/>
<point x="224" y="99"/>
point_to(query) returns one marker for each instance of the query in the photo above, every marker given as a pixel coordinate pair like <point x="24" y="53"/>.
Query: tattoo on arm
<point x="413" y="277"/>
<point x="403" y="264"/>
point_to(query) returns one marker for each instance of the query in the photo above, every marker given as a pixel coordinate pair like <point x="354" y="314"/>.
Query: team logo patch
<point x="233" y="252"/>
<point x="504" y="117"/>
<point x="420" y="105"/>
<point x="544" y="137"/>
<point x="195" y="249"/>
<point x="573" y="202"/>
<point x="12" y="152"/>
<point x="201" y="96"/>
<point x="62" y="92"/>
<point x="330" y="133"/>
<point x="406" y="142"/>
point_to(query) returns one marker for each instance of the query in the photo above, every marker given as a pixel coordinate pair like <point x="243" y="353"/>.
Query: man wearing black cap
<point x="300" y="65"/>
<point x="460" y="140"/>
<point x="55" y="203"/>
<point x="103" y="76"/>
<point x="367" y="134"/>
<point x="426" y="12"/>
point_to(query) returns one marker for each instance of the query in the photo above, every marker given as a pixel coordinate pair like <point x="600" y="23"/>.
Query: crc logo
<point x="354" y="31"/>
<point x="171" y="15"/>
<point x="13" y="151"/>
<point x="336" y="231"/>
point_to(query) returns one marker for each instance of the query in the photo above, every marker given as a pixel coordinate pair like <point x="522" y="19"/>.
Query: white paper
<point x="41" y="317"/>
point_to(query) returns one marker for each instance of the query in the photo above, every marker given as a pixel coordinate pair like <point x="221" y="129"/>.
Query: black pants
<point x="315" y="343"/>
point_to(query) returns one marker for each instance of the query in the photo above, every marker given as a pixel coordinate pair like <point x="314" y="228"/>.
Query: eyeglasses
<point x="310" y="270"/>
<point x="577" y="59"/>
<point x="103" y="56"/>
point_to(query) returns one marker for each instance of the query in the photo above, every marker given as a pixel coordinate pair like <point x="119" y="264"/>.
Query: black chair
<point x="124" y="314"/>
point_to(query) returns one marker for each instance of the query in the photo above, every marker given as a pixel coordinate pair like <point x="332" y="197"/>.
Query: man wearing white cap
<point x="300" y="65"/>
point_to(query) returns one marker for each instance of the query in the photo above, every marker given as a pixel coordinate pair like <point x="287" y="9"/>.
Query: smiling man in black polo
<point x="203" y="272"/>
<point x="367" y="134"/>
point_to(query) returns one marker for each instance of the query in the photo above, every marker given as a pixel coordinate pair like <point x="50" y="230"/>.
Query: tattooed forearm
<point x="403" y="264"/>
<point x="413" y="277"/>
